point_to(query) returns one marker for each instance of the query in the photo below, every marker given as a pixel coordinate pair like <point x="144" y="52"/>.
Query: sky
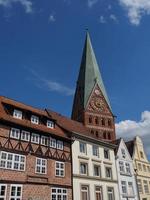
<point x="41" y="44"/>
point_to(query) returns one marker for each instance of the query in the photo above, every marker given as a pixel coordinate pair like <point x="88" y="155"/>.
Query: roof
<point x="130" y="147"/>
<point x="89" y="74"/>
<point x="6" y="117"/>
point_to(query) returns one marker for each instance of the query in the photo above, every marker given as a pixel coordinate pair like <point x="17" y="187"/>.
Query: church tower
<point x="91" y="105"/>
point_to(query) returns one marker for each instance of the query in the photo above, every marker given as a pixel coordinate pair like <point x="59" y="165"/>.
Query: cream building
<point x="94" y="170"/>
<point x="142" y="167"/>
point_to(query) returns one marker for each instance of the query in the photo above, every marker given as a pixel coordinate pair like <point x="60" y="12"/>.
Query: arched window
<point x="96" y="120"/>
<point x="109" y="136"/>
<point x="109" y="122"/>
<point x="103" y="121"/>
<point x="92" y="132"/>
<point x="104" y="135"/>
<point x="96" y="133"/>
<point x="90" y="120"/>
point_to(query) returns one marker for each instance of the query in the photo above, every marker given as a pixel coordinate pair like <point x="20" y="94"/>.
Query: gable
<point x="122" y="146"/>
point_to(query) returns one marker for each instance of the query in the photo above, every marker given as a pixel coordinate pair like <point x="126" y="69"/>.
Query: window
<point x="90" y="120"/>
<point x="146" y="189"/>
<point x="60" y="145"/>
<point x="144" y="168"/>
<point x="35" y="138"/>
<point x="25" y="136"/>
<point x="106" y="153"/>
<point x="128" y="171"/>
<point x="60" y="169"/>
<point x="97" y="170"/>
<point x="124" y="187"/>
<point x="3" y="189"/>
<point x="52" y="142"/>
<point x="84" y="192"/>
<point x="96" y="120"/>
<point x="17" y="114"/>
<point x="110" y="193"/>
<point x="130" y="189"/>
<point x="140" y="166"/>
<point x="41" y="166"/>
<point x="12" y="161"/>
<point x="84" y="168"/>
<point x="109" y="122"/>
<point x="121" y="167"/>
<point x="148" y="168"/>
<point x="123" y="153"/>
<point x="59" y="194"/>
<point x="15" y="133"/>
<point x="141" y="154"/>
<point x="98" y="193"/>
<point x="108" y="172"/>
<point x="44" y="140"/>
<point x="109" y="135"/>
<point x="50" y="124"/>
<point x="34" y="119"/>
<point x="139" y="183"/>
<point x="103" y="121"/>
<point x="104" y="135"/>
<point x="16" y="192"/>
<point x="95" y="151"/>
<point x="82" y="147"/>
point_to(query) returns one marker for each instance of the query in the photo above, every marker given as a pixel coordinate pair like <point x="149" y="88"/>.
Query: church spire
<point x="90" y="96"/>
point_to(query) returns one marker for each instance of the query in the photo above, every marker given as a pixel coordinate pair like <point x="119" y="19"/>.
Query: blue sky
<point x="41" y="45"/>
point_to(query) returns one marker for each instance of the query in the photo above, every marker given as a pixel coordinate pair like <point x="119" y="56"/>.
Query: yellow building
<point x="141" y="166"/>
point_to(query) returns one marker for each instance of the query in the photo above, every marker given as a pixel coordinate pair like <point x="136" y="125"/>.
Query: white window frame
<point x="17" y="114"/>
<point x="15" y="197"/>
<point x="85" y="191"/>
<point x="146" y="187"/>
<point x="34" y="119"/>
<point x="26" y="136"/>
<point x="108" y="153"/>
<point x="59" y="169"/>
<point x="112" y="192"/>
<point x="84" y="149"/>
<point x="86" y="168"/>
<point x="63" y="193"/>
<point x="50" y="124"/>
<point x="121" y="167"/>
<point x="106" y="167"/>
<point x="37" y="138"/>
<point x="41" y="166"/>
<point x="44" y="140"/>
<point x="60" y="145"/>
<point x="99" y="191"/>
<point x="53" y="143"/>
<point x="12" y="162"/>
<point x="128" y="168"/>
<point x="124" y="187"/>
<point x="15" y="135"/>
<point x="95" y="151"/>
<point x="130" y="186"/>
<point x="99" y="167"/>
<point x="4" y="196"/>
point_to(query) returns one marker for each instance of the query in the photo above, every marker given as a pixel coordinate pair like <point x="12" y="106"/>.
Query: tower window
<point x="104" y="135"/>
<point x="90" y="120"/>
<point x="96" y="133"/>
<point x="92" y="132"/>
<point x="109" y="136"/>
<point x="96" y="120"/>
<point x="103" y="121"/>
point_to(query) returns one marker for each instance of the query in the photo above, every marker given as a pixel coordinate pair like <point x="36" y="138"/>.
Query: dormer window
<point x="34" y="119"/>
<point x="17" y="114"/>
<point x="50" y="124"/>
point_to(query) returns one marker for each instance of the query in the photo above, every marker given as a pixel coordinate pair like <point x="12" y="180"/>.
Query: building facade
<point x="35" y="155"/>
<point x="142" y="167"/>
<point x="125" y="172"/>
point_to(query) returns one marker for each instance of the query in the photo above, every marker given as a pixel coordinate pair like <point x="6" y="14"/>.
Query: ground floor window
<point x="110" y="193"/>
<point x="98" y="193"/>
<point x="15" y="192"/>
<point x="84" y="192"/>
<point x="3" y="189"/>
<point x="59" y="194"/>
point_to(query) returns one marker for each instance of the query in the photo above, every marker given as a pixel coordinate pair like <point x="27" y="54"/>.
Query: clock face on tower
<point x="97" y="104"/>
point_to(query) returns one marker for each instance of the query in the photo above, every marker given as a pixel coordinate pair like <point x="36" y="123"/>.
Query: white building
<point x="94" y="169"/>
<point x="125" y="172"/>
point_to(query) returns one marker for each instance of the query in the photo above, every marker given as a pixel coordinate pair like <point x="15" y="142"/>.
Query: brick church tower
<point x="91" y="105"/>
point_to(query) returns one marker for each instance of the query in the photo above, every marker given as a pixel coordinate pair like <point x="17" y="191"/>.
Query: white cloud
<point x="128" y="129"/>
<point x="136" y="9"/>
<point x="27" y="4"/>
<point x="102" y="19"/>
<point x="52" y="17"/>
<point x="50" y="85"/>
<point x="91" y="3"/>
<point x="113" y="18"/>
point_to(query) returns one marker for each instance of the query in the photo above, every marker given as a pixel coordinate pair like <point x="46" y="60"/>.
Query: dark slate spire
<point x="89" y="75"/>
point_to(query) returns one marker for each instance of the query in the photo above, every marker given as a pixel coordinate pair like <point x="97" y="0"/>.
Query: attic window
<point x="34" y="119"/>
<point x="141" y="154"/>
<point x="123" y="153"/>
<point x="17" y="114"/>
<point x="50" y="124"/>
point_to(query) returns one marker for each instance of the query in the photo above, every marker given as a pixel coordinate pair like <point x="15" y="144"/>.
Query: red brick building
<point x="35" y="154"/>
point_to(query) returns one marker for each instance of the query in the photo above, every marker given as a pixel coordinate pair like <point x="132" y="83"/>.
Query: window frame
<point x="96" y="165"/>
<point x="59" y="169"/>
<point x="96" y="150"/>
<point x="60" y="145"/>
<point x="87" y="191"/>
<point x="5" y="192"/>
<point x="110" y="168"/>
<point x="34" y="135"/>
<point x="51" y="142"/>
<point x="80" y="171"/>
<point x="108" y="153"/>
<point x="58" y="193"/>
<point x="17" y="114"/>
<point x="34" y="119"/>
<point x="27" y="134"/>
<point x="83" y="150"/>
<point x="113" y="194"/>
<point x="41" y="166"/>
<point x="11" y="132"/>
<point x="50" y="124"/>
<point x="15" y="197"/>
